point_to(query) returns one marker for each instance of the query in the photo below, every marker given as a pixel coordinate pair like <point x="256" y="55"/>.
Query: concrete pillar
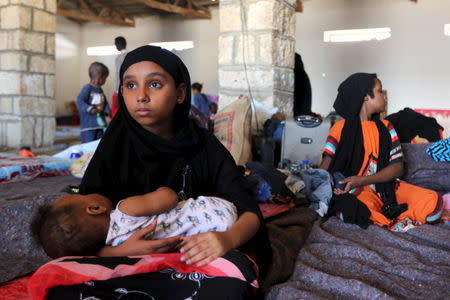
<point x="27" y="72"/>
<point x="256" y="52"/>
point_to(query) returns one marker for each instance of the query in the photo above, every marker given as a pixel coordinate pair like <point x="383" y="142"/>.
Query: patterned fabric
<point x="440" y="151"/>
<point x="18" y="168"/>
<point x="404" y="225"/>
<point x="190" y="217"/>
<point x="156" y="276"/>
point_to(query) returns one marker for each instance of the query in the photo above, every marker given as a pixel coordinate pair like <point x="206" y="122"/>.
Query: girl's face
<point x="378" y="102"/>
<point x="150" y="96"/>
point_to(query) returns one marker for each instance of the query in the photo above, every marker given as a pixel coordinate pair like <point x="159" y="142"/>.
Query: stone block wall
<point x="27" y="72"/>
<point x="257" y="52"/>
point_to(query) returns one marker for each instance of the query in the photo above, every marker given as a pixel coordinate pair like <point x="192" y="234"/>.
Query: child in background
<point x="92" y="104"/>
<point x="77" y="225"/>
<point x="199" y="100"/>
<point x="367" y="151"/>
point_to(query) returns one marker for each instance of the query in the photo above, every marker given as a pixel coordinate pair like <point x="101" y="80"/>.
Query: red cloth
<point x="59" y="272"/>
<point x="15" y="290"/>
<point x="114" y="106"/>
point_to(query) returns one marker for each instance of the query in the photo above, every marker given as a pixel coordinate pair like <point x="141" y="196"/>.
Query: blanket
<point x="287" y="233"/>
<point x="343" y="261"/>
<point x="19" y="202"/>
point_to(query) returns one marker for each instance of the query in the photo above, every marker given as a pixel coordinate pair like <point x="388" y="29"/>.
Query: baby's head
<point x="75" y="225"/>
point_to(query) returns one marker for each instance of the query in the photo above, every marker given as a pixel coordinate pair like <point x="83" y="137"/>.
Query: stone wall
<point x="256" y="51"/>
<point x="27" y="72"/>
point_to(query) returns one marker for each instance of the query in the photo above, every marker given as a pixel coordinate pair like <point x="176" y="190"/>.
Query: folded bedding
<point x="343" y="261"/>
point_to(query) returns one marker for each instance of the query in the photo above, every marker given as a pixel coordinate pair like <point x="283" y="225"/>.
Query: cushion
<point x="422" y="170"/>
<point x="232" y="126"/>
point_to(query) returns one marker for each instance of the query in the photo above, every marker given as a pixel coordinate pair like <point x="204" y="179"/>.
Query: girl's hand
<point x="350" y="183"/>
<point x="137" y="244"/>
<point x="203" y="248"/>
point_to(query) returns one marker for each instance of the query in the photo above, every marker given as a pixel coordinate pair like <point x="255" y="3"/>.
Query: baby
<point x="77" y="225"/>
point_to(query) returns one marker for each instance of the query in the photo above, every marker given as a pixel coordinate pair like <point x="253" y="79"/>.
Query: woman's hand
<point x="137" y="244"/>
<point x="350" y="183"/>
<point x="203" y="248"/>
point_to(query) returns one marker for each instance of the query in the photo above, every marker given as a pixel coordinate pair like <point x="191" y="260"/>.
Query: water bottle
<point x="305" y="164"/>
<point x="76" y="154"/>
<point x="100" y="120"/>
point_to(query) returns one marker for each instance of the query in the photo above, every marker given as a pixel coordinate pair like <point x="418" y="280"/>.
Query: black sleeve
<point x="227" y="179"/>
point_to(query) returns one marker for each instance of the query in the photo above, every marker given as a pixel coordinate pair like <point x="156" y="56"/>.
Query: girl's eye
<point x="155" y="84"/>
<point x="130" y="85"/>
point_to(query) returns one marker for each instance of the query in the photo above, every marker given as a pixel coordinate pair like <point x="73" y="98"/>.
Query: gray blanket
<point x="342" y="261"/>
<point x="19" y="202"/>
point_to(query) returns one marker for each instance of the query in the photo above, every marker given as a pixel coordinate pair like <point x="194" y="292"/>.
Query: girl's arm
<point x="154" y="203"/>
<point x="137" y="244"/>
<point x="203" y="248"/>
<point x="325" y="163"/>
<point x="228" y="183"/>
<point x="389" y="173"/>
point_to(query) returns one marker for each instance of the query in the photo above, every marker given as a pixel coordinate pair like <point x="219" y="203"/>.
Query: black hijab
<point x="131" y="160"/>
<point x="349" y="154"/>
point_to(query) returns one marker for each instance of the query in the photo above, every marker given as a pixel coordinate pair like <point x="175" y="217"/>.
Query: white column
<point x="27" y="72"/>
<point x="256" y="51"/>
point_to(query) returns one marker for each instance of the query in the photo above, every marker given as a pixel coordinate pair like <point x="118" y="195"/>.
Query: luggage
<point x="304" y="139"/>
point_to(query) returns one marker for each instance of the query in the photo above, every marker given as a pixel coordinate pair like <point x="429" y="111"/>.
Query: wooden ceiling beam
<point x="207" y="3"/>
<point x="85" y="17"/>
<point x="299" y="6"/>
<point x="175" y="9"/>
<point x="111" y="10"/>
<point x="85" y="7"/>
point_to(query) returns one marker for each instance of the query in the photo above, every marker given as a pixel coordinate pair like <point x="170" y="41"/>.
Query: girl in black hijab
<point x="151" y="143"/>
<point x="367" y="152"/>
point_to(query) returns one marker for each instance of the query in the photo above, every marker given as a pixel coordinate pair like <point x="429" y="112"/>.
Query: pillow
<point x="232" y="126"/>
<point x="78" y="168"/>
<point x="422" y="170"/>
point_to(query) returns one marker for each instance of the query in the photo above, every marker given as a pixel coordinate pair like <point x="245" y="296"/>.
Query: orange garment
<point x="421" y="202"/>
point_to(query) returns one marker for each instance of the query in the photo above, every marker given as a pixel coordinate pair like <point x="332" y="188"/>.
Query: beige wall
<point x="201" y="61"/>
<point x="67" y="55"/>
<point x="414" y="64"/>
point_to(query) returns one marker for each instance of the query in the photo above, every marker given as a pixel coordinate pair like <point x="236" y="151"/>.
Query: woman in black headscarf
<point x="151" y="143"/>
<point x="367" y="152"/>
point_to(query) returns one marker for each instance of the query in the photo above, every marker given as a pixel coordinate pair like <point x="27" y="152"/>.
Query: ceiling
<point x="122" y="12"/>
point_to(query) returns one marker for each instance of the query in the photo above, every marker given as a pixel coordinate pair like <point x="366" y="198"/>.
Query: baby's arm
<point x="154" y="203"/>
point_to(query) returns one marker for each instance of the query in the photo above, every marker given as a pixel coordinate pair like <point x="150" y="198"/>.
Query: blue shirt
<point x="202" y="103"/>
<point x="91" y="97"/>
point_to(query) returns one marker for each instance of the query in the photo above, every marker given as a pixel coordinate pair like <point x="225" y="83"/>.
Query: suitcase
<point x="304" y="140"/>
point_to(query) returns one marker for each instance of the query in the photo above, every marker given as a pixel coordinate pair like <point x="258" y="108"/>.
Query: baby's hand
<point x="203" y="248"/>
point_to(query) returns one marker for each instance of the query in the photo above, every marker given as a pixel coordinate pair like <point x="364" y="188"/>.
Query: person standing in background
<point x="121" y="45"/>
<point x="199" y="100"/>
<point x="302" y="89"/>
